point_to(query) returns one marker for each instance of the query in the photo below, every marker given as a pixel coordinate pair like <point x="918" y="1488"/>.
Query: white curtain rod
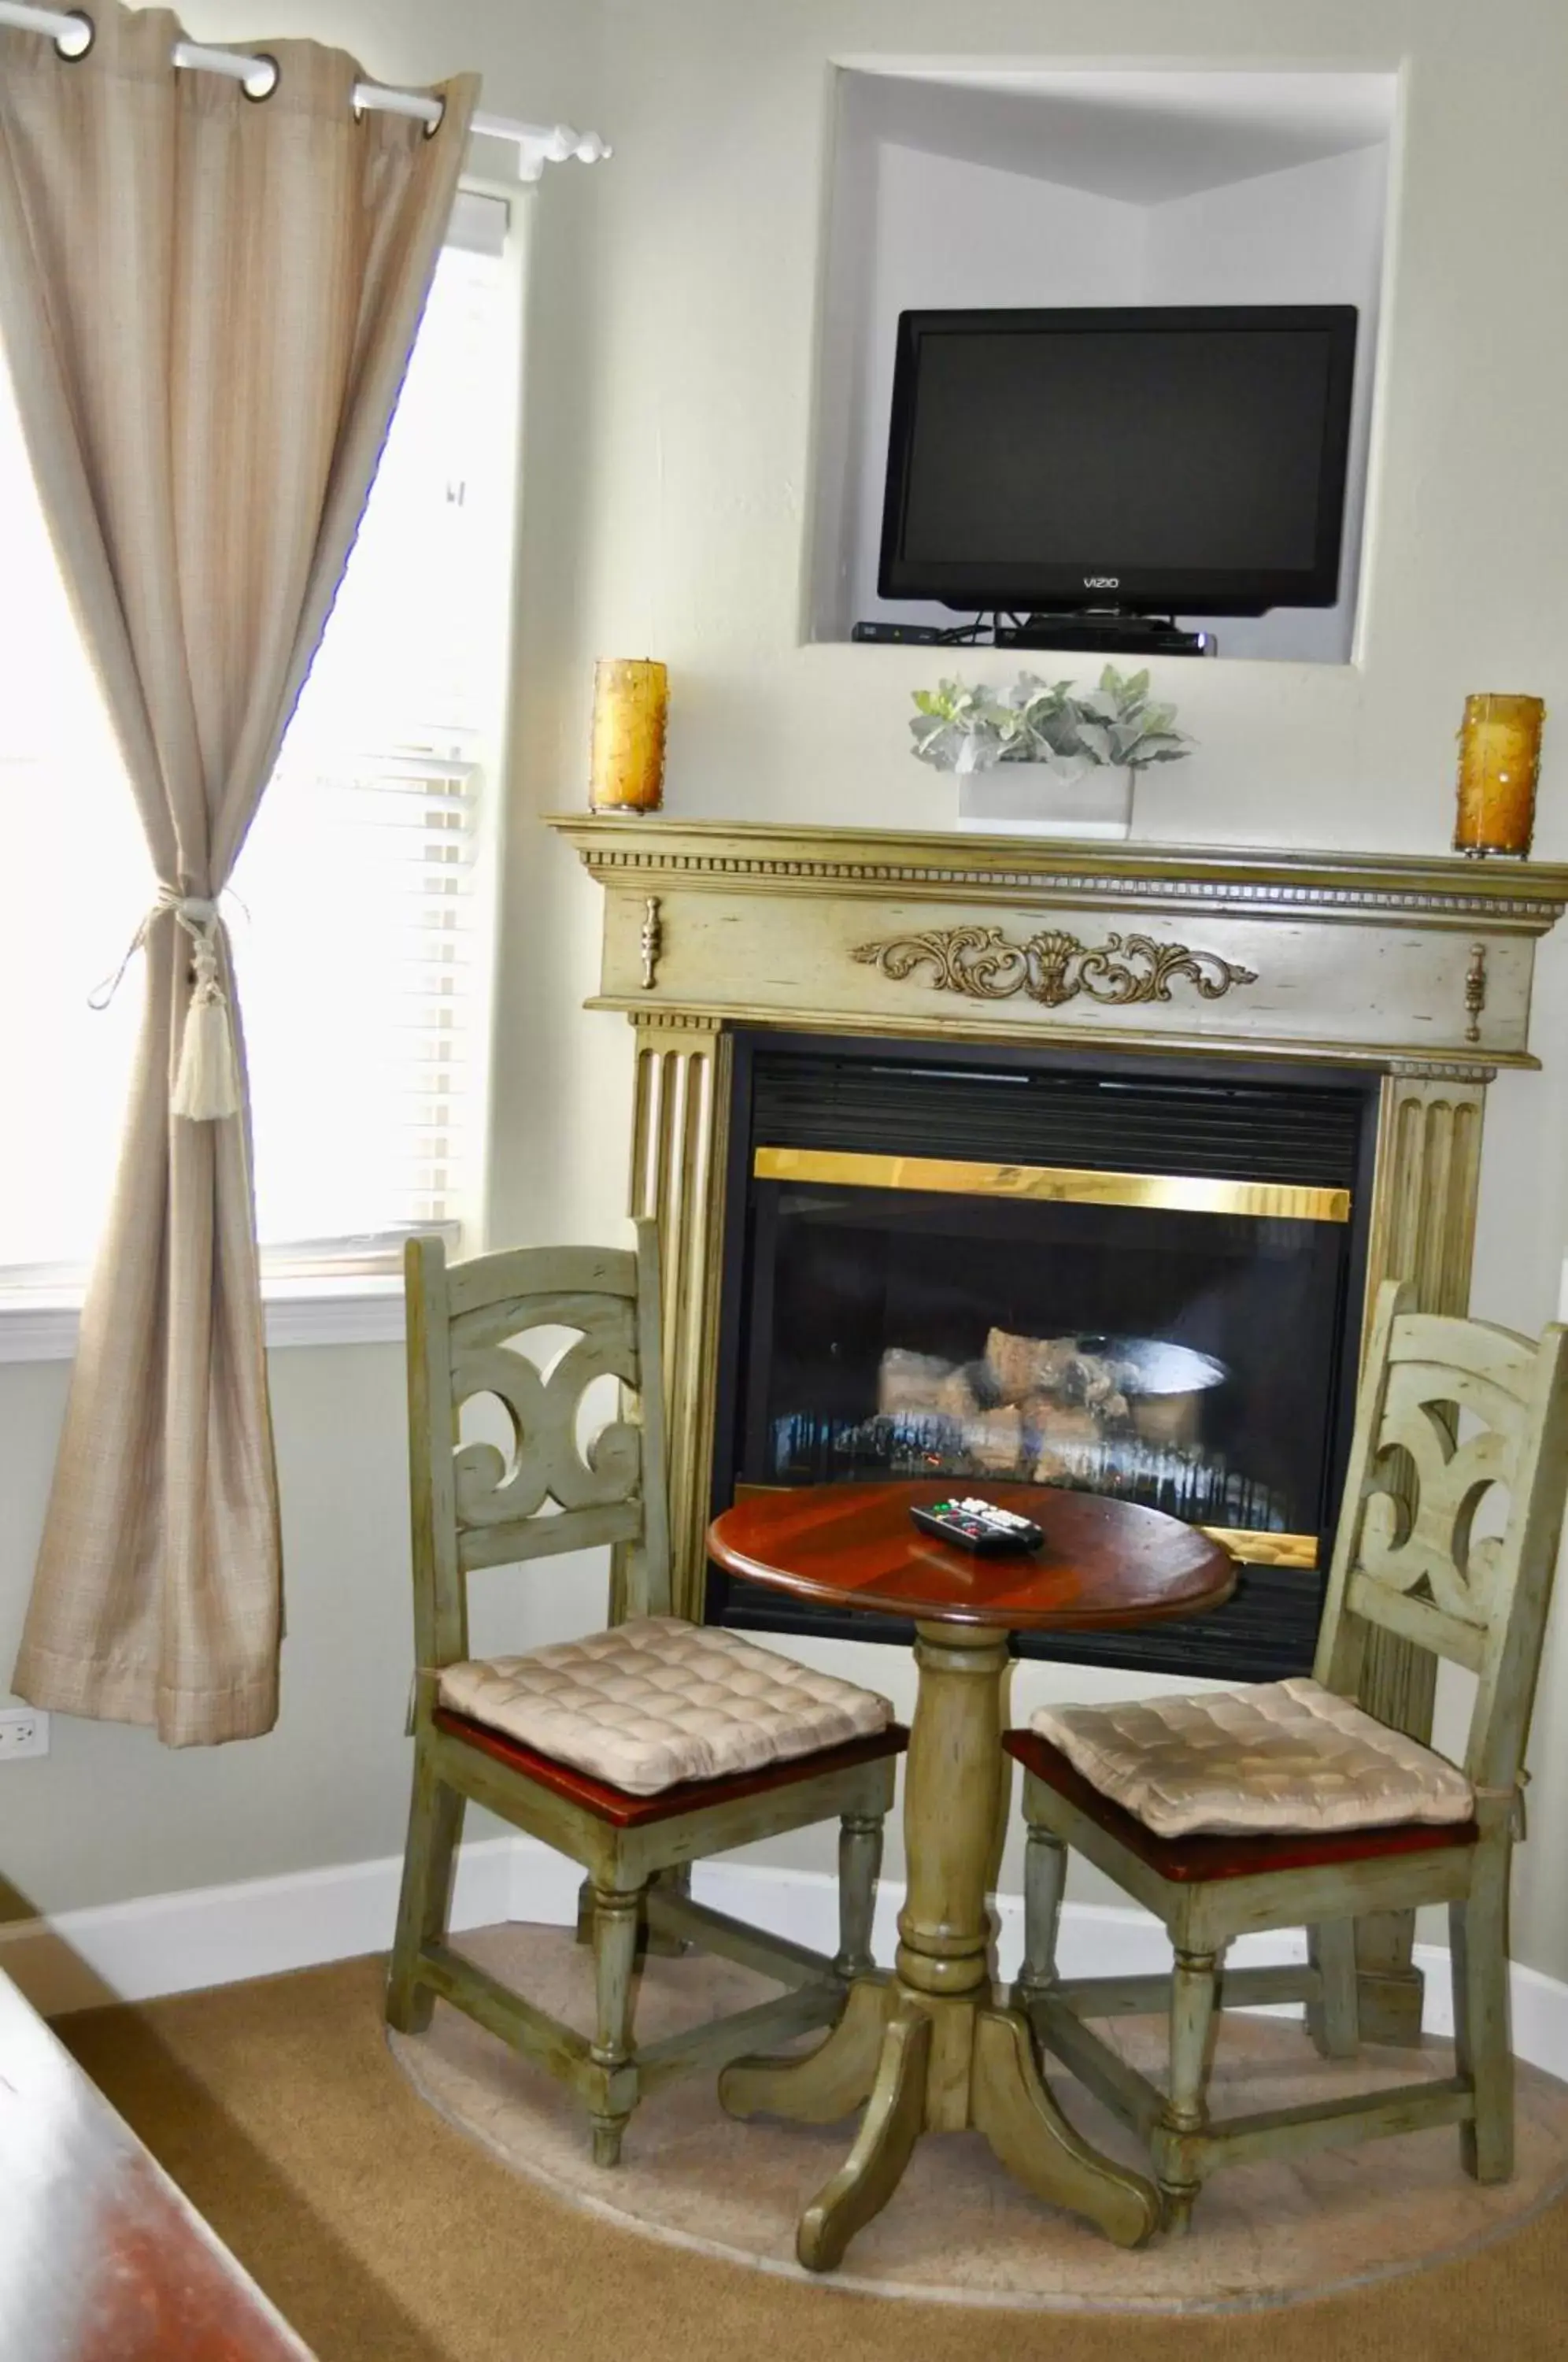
<point x="537" y="144"/>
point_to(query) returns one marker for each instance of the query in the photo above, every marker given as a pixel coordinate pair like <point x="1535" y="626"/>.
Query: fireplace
<point x="1324" y="973"/>
<point x="1122" y="1276"/>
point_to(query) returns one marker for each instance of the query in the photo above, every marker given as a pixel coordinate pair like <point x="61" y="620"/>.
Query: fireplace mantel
<point x="1409" y="963"/>
<point x="1420" y="969"/>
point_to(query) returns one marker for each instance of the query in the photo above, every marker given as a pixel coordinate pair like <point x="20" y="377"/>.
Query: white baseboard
<point x="220" y="1935"/>
<point x="217" y="1935"/>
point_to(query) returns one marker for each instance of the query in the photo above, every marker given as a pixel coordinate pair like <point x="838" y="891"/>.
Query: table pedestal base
<point x="922" y="2064"/>
<point x="927" y="2050"/>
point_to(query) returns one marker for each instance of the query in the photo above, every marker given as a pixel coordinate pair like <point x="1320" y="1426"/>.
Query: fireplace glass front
<point x="926" y="1306"/>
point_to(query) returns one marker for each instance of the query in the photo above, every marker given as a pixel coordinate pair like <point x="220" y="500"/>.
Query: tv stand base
<point x="1132" y="636"/>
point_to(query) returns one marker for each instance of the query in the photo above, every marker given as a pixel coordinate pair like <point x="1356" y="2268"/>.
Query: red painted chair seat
<point x="1192" y="1859"/>
<point x="627" y="1812"/>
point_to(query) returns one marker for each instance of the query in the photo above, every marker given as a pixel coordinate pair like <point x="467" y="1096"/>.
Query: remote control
<point x="977" y="1525"/>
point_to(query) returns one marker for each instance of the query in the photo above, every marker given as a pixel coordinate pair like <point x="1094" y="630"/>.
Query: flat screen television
<point x="1162" y="461"/>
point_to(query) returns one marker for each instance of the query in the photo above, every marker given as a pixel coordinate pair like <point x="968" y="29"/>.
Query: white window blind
<point x="359" y="909"/>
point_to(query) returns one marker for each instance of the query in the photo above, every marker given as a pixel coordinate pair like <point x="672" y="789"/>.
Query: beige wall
<point x="694" y="468"/>
<point x="673" y="296"/>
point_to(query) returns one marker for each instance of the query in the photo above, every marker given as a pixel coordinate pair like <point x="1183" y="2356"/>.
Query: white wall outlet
<point x="23" y="1731"/>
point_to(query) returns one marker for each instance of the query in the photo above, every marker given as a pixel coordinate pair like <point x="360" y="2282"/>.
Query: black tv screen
<point x="1159" y="460"/>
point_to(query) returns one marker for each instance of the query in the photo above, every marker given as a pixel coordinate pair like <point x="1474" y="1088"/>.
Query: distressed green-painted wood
<point x="1333" y="2013"/>
<point x="1098" y="2067"/>
<point x="1194" y="2012"/>
<point x="893" y="2122"/>
<point x="501" y="2010"/>
<point x="615" y="1927"/>
<point x="1150" y="1996"/>
<point x="1363" y="2115"/>
<point x="434" y="1826"/>
<point x="1449" y="1410"/>
<point x="708" y="2048"/>
<point x="1481" y="2034"/>
<point x="1013" y="2107"/>
<point x="830" y="2082"/>
<point x="1044" y="1883"/>
<point x="732" y="1939"/>
<point x="859" y="1866"/>
<point x="928" y="2049"/>
<point x="475" y="1507"/>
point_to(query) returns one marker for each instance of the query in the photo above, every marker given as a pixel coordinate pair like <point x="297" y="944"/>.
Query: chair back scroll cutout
<point x="549" y="1492"/>
<point x="544" y="1407"/>
<point x="1450" y="1411"/>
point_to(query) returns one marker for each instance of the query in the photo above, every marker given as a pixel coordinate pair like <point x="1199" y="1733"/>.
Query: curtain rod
<point x="537" y="144"/>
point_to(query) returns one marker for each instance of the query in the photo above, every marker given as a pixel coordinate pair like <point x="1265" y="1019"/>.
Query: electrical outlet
<point x="23" y="1731"/>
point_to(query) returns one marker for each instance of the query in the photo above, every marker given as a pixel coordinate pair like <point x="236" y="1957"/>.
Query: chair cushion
<point x="656" y="1701"/>
<point x="1274" y="1755"/>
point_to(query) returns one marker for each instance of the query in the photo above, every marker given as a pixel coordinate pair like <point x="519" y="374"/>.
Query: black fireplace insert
<point x="1141" y="1278"/>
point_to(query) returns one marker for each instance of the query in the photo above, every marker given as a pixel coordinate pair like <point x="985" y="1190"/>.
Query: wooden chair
<point x="775" y="1746"/>
<point x="1405" y="1561"/>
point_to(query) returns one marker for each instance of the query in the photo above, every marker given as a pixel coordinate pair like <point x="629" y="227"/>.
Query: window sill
<point x="360" y="1311"/>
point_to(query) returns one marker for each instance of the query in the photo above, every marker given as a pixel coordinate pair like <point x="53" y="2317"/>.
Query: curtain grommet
<point x="72" y="57"/>
<point x="274" y="76"/>
<point x="432" y="128"/>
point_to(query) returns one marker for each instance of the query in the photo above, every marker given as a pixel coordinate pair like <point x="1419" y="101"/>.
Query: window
<point x="359" y="910"/>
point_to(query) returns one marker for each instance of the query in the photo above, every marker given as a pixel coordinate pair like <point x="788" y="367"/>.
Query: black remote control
<point x="977" y="1525"/>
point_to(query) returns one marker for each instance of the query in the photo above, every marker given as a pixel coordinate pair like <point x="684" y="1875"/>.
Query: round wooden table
<point x="928" y="2047"/>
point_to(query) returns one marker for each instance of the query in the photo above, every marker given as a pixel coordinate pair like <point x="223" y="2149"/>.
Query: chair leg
<point x="1483" y="2043"/>
<point x="434" y="1826"/>
<point x="1195" y="1994"/>
<point x="617" y="1922"/>
<point x="1045" y="1877"/>
<point x="1333" y="2020"/>
<point x="859" y="1865"/>
<point x="650" y="1940"/>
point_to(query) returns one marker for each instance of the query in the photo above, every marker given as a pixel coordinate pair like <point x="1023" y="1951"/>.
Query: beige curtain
<point x="207" y="304"/>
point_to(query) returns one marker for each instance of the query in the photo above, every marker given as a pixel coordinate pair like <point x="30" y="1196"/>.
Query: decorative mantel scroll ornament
<point x="1051" y="967"/>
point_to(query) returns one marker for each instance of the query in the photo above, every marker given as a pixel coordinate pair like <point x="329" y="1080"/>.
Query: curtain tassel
<point x="206" y="1086"/>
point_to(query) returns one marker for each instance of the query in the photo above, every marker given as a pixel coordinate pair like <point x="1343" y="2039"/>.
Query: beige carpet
<point x="960" y="2229"/>
<point x="387" y="2238"/>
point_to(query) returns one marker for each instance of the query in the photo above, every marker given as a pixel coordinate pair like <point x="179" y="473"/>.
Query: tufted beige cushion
<point x="658" y="1700"/>
<point x="1274" y="1755"/>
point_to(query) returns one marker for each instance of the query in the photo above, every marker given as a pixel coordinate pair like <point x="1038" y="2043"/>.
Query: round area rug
<point x="959" y="2229"/>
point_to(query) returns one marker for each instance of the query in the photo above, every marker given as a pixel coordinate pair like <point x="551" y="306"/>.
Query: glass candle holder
<point x="631" y="698"/>
<point x="1500" y="759"/>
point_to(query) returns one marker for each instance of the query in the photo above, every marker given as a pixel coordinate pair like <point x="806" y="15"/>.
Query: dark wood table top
<point x="1102" y="1562"/>
<point x="101" y="2258"/>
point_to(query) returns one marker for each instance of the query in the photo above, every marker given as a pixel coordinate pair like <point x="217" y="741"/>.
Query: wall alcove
<point x="957" y="188"/>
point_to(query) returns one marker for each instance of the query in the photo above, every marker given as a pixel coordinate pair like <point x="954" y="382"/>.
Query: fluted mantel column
<point x="678" y="1135"/>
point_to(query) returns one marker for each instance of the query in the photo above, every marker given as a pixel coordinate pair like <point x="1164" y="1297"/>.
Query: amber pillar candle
<point x="1499" y="756"/>
<point x="631" y="696"/>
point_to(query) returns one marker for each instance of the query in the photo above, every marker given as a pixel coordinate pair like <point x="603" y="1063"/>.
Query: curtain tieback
<point x="206" y="1078"/>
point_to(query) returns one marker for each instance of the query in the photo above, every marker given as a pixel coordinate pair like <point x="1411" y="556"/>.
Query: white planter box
<point x="1031" y="800"/>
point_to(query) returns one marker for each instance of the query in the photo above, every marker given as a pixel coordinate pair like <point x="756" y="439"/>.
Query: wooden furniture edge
<point x="623" y="1811"/>
<point x="1194" y="1860"/>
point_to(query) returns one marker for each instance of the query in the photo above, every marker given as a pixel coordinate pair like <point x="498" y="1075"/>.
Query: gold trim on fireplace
<point x="1184" y="1193"/>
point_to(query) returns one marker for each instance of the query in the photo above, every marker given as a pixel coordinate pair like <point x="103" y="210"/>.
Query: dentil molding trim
<point x="1400" y="962"/>
<point x="1527" y="894"/>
